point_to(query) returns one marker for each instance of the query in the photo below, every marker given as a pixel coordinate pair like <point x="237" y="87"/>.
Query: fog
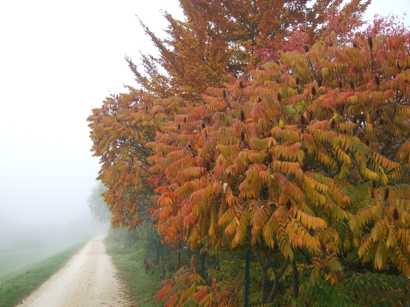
<point x="59" y="59"/>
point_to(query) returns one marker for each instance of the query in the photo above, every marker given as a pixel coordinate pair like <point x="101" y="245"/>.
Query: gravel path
<point x="87" y="280"/>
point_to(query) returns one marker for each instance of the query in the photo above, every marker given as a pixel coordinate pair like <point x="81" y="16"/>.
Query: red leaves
<point x="200" y="294"/>
<point x="165" y="290"/>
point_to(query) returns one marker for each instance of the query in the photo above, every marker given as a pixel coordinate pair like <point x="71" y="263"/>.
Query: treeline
<point x="267" y="148"/>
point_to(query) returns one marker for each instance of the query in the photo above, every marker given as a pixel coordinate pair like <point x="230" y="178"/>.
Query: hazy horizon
<point x="60" y="59"/>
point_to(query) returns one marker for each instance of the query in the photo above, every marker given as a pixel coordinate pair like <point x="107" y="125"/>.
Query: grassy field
<point x="129" y="262"/>
<point x="14" y="287"/>
<point x="17" y="259"/>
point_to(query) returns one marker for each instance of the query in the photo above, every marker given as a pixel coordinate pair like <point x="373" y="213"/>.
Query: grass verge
<point x="129" y="262"/>
<point x="19" y="285"/>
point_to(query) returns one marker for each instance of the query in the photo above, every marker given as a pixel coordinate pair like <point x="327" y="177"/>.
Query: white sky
<point x="59" y="59"/>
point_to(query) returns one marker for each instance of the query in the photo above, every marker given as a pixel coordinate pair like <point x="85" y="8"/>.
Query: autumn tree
<point x="218" y="39"/>
<point x="119" y="130"/>
<point x="268" y="163"/>
<point x="275" y="129"/>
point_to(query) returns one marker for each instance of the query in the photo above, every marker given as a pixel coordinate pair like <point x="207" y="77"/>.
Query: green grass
<point x="129" y="262"/>
<point x="17" y="286"/>
<point x="17" y="259"/>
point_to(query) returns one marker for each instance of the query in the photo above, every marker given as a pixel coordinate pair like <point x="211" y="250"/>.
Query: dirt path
<point x="87" y="280"/>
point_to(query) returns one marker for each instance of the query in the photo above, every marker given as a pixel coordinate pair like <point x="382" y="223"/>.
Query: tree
<point x="278" y="128"/>
<point x="98" y="207"/>
<point x="119" y="130"/>
<point x="220" y="38"/>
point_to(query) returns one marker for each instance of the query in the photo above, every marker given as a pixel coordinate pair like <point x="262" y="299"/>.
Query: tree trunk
<point x="295" y="279"/>
<point x="267" y="284"/>
<point x="178" y="258"/>
<point x="202" y="265"/>
<point x="275" y="286"/>
<point x="247" y="279"/>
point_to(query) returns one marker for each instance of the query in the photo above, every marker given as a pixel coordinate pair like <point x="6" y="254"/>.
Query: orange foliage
<point x="253" y="139"/>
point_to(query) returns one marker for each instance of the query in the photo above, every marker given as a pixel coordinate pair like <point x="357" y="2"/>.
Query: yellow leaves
<point x="347" y="127"/>
<point x="241" y="230"/>
<point x="378" y="232"/>
<point x="334" y="191"/>
<point x="353" y="99"/>
<point x="403" y="153"/>
<point x="364" y="248"/>
<point x="383" y="177"/>
<point x="403" y="110"/>
<point x="286" y="134"/>
<point x="260" y="216"/>
<point x="309" y="221"/>
<point x="325" y="72"/>
<point x="261" y="144"/>
<point x="321" y="136"/>
<point x="329" y="265"/>
<point x="259" y="219"/>
<point x="402" y="235"/>
<point x="230" y="199"/>
<point x="252" y="185"/>
<point x="326" y="160"/>
<point x="231" y="228"/>
<point x="268" y="234"/>
<point x="194" y="238"/>
<point x="344" y="171"/>
<point x="402" y="261"/>
<point x="190" y="173"/>
<point x="297" y="62"/>
<point x="289" y="188"/>
<point x="392" y="238"/>
<point x="284" y="244"/>
<point x="313" y="184"/>
<point x="369" y="174"/>
<point x="213" y="222"/>
<point x="252" y="156"/>
<point x="364" y="216"/>
<point x="226" y="217"/>
<point x="238" y="225"/>
<point x="288" y="168"/>
<point x="317" y="198"/>
<point x="342" y="155"/>
<point x="188" y="187"/>
<point x="175" y="162"/>
<point x="384" y="162"/>
<point x="228" y="151"/>
<point x="300" y="238"/>
<point x="288" y="152"/>
<point x="206" y="194"/>
<point x="377" y="176"/>
<point x="213" y="104"/>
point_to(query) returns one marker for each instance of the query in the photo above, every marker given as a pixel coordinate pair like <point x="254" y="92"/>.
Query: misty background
<point x="58" y="60"/>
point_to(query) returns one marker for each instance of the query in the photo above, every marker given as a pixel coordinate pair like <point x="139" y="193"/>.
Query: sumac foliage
<point x="277" y="129"/>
